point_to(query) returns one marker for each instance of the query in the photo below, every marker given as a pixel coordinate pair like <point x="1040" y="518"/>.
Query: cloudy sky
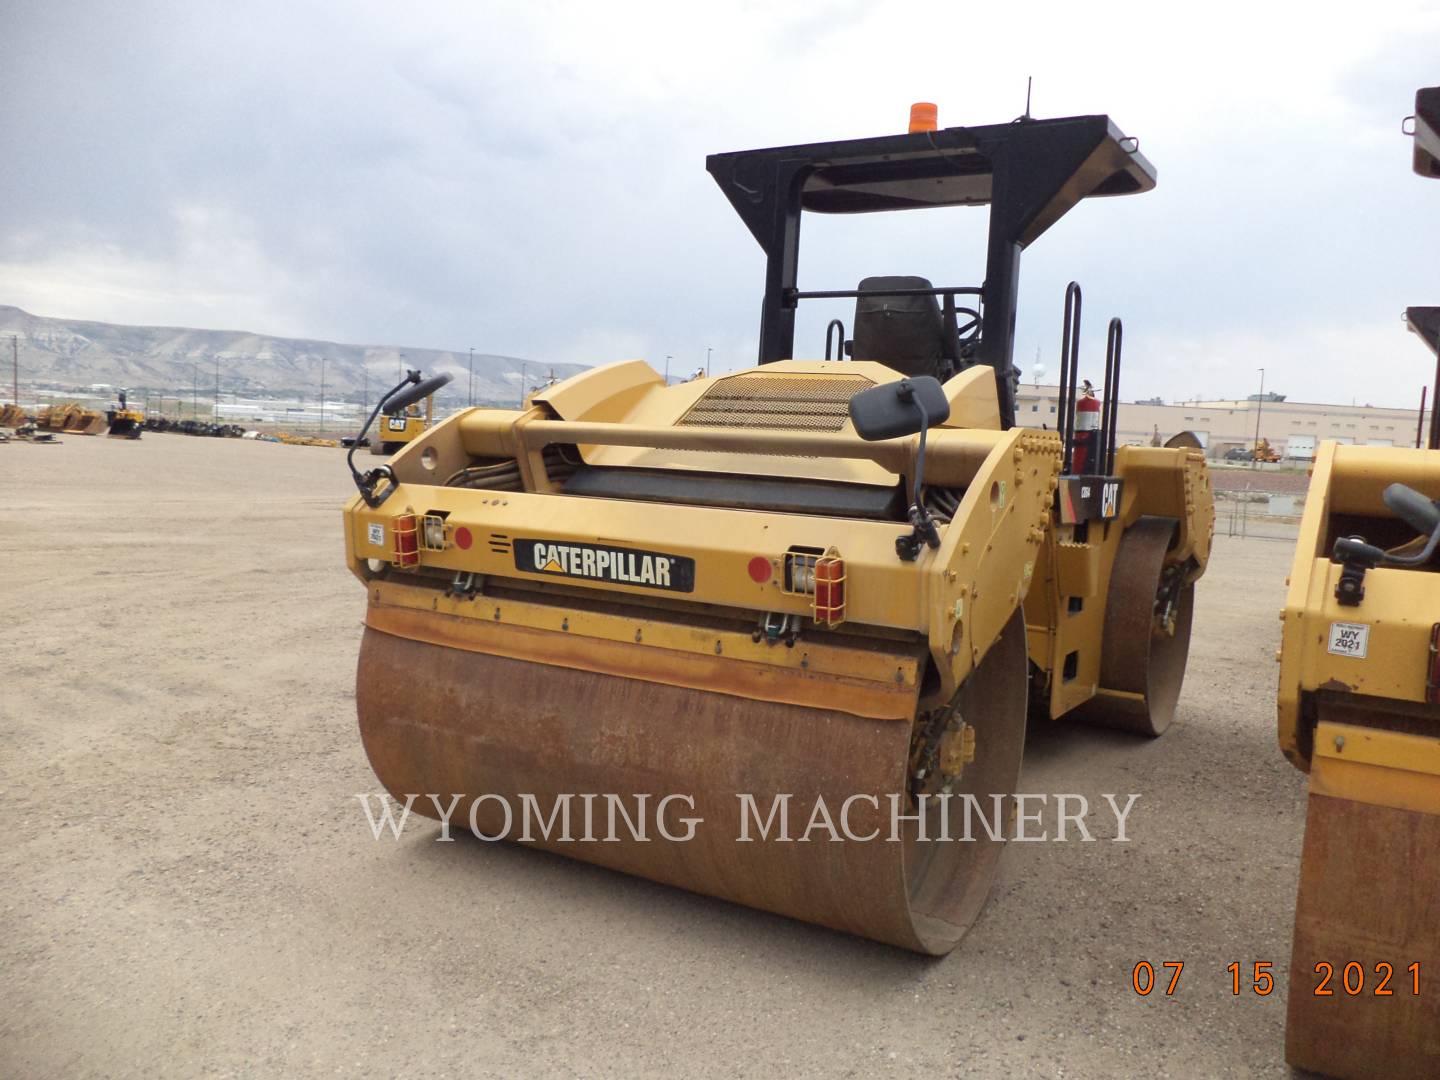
<point x="529" y="178"/>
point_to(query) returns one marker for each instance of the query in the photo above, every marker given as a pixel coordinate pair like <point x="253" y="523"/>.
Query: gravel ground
<point x="191" y="889"/>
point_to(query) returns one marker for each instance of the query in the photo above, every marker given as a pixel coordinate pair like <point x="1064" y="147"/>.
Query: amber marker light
<point x="924" y="116"/>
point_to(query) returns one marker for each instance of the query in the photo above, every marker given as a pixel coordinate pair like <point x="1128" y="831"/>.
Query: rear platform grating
<point x="779" y="402"/>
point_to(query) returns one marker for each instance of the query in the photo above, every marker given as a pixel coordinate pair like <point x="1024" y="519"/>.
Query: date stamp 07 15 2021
<point x="1350" y="979"/>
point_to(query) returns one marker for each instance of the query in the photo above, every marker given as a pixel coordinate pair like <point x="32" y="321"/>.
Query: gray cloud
<point x="530" y="179"/>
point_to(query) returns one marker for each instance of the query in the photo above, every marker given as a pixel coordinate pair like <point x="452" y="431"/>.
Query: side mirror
<point x="899" y="408"/>
<point x="403" y="400"/>
<point x="1414" y="509"/>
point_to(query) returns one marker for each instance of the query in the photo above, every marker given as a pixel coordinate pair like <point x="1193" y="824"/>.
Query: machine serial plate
<point x="619" y="566"/>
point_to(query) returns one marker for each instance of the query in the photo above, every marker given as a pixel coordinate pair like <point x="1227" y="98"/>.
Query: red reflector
<point x="462" y="538"/>
<point x="760" y="569"/>
<point x="407" y="547"/>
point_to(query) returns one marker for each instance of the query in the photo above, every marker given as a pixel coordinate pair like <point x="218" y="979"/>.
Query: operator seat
<point x="906" y="333"/>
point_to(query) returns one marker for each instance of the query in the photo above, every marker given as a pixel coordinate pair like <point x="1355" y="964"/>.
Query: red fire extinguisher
<point x="1087" y="431"/>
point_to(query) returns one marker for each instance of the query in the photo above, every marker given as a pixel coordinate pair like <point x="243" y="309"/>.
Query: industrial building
<point x="1294" y="428"/>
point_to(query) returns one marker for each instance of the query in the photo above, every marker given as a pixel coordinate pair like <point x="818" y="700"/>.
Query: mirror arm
<point x="920" y="454"/>
<point x="923" y="531"/>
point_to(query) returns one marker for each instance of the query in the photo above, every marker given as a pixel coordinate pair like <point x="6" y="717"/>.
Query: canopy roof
<point x="1425" y="323"/>
<point x="1427" y="131"/>
<point x="1085" y="156"/>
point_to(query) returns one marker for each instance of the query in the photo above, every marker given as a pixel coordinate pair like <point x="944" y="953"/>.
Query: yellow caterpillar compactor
<point x="402" y="425"/>
<point x="840" y="580"/>
<point x="1359" y="710"/>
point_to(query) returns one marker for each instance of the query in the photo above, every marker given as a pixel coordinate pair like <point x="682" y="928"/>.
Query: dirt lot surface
<point x="1289" y="481"/>
<point x="191" y="888"/>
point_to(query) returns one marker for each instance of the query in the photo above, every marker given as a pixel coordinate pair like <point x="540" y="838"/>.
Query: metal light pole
<point x="667" y="369"/>
<point x="522" y="382"/>
<point x="322" y="397"/>
<point x="15" y="357"/>
<point x="195" y="390"/>
<point x="1259" y="407"/>
<point x="708" y="351"/>
<point x="216" y="416"/>
<point x="470" y="396"/>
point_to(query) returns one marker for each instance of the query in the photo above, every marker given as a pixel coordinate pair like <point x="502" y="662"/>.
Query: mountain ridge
<point x="77" y="354"/>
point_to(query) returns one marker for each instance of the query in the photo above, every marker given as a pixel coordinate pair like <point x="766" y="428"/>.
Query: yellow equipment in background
<point x="1265" y="452"/>
<point x="125" y="422"/>
<point x="402" y="427"/>
<point x="1359" y="710"/>
<point x="824" y="584"/>
<point x="71" y="419"/>
<point x="304" y="440"/>
<point x="13" y="416"/>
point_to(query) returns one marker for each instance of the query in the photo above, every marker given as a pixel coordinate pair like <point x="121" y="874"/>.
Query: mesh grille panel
<point x="787" y="402"/>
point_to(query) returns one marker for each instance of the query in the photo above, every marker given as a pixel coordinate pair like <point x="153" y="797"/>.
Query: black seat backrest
<point x="906" y="333"/>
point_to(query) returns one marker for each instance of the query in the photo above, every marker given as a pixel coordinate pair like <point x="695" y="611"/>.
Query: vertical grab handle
<point x="1114" y="340"/>
<point x="835" y="324"/>
<point x="1435" y="408"/>
<point x="1069" y="370"/>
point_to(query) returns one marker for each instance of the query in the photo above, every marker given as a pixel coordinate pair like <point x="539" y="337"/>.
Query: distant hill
<point x="74" y="354"/>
